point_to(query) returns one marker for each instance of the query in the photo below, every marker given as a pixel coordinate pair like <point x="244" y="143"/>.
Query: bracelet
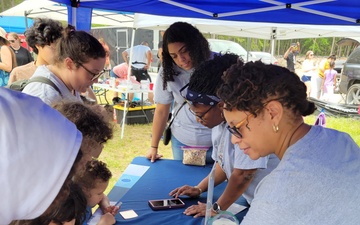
<point x="154" y="146"/>
<point x="198" y="189"/>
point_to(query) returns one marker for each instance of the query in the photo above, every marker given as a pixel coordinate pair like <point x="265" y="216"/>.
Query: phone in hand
<point x="163" y="204"/>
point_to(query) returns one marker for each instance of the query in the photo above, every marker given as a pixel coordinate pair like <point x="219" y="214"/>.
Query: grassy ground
<point x="118" y="153"/>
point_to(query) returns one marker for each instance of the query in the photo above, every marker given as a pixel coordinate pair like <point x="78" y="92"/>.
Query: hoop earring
<point x="275" y="128"/>
<point x="222" y="115"/>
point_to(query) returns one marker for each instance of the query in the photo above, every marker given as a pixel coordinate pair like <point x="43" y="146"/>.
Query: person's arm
<point x="12" y="77"/>
<point x="335" y="79"/>
<point x="298" y="46"/>
<point x="149" y="58"/>
<point x="195" y="191"/>
<point x="161" y="115"/>
<point x="6" y="59"/>
<point x="238" y="183"/>
<point x="125" y="56"/>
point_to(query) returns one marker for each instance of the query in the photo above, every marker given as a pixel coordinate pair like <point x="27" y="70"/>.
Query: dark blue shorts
<point x="305" y="78"/>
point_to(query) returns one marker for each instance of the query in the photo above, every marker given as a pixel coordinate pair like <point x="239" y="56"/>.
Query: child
<point x="93" y="181"/>
<point x="329" y="81"/>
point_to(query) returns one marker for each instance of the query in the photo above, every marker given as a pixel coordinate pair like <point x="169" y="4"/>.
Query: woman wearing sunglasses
<point x="78" y="63"/>
<point x="184" y="48"/>
<point x="23" y="56"/>
<point x="317" y="179"/>
<point x="242" y="173"/>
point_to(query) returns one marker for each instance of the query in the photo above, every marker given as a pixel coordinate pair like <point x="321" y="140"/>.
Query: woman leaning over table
<point x="319" y="167"/>
<point x="79" y="61"/>
<point x="184" y="48"/>
<point x="7" y="59"/>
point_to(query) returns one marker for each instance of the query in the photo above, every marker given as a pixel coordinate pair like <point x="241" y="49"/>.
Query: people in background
<point x="309" y="70"/>
<point x="243" y="174"/>
<point x="184" y="48"/>
<point x="7" y="59"/>
<point x="264" y="107"/>
<point x="42" y="37"/>
<point x="94" y="181"/>
<point x="38" y="146"/>
<point x="290" y="56"/>
<point x="329" y="82"/>
<point x="141" y="60"/>
<point x="78" y="63"/>
<point x="107" y="52"/>
<point x="159" y="53"/>
<point x="22" y="55"/>
<point x="324" y="65"/>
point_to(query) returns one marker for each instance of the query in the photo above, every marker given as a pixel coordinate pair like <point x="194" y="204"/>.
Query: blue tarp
<point x="14" y="23"/>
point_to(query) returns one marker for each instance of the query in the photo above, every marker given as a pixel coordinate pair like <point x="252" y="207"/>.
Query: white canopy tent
<point x="58" y="11"/>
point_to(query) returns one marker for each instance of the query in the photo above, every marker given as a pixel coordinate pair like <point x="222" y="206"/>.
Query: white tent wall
<point x="57" y="11"/>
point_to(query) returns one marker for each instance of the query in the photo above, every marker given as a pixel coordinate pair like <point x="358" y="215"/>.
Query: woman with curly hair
<point x="184" y="48"/>
<point x="41" y="37"/>
<point x="319" y="167"/>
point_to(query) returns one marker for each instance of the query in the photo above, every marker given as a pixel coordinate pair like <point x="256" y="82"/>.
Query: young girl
<point x="328" y="83"/>
<point x="93" y="181"/>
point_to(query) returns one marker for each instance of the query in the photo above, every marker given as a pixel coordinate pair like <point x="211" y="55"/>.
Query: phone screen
<point x="167" y="202"/>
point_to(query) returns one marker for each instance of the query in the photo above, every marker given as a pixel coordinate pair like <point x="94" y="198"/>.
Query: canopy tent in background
<point x="57" y="11"/>
<point x="319" y="12"/>
<point x="15" y="24"/>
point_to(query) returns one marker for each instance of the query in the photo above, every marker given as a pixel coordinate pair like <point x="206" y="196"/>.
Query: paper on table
<point x="128" y="214"/>
<point x="236" y="208"/>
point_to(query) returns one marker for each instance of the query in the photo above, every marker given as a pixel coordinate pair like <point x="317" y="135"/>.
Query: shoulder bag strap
<point x="45" y="81"/>
<point x="172" y="120"/>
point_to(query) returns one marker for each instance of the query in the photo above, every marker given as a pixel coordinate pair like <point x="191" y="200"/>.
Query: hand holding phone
<point x="163" y="204"/>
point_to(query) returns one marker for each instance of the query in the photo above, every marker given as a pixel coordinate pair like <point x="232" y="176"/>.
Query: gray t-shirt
<point x="46" y="92"/>
<point x="316" y="182"/>
<point x="230" y="157"/>
<point x="185" y="128"/>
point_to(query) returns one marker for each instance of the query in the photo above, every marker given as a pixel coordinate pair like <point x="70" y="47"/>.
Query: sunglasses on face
<point x="95" y="75"/>
<point x="11" y="41"/>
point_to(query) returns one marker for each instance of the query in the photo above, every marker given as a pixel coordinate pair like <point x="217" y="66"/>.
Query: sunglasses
<point x="11" y="41"/>
<point x="95" y="75"/>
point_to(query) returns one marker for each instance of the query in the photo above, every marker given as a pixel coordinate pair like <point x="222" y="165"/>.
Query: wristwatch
<point x="216" y="207"/>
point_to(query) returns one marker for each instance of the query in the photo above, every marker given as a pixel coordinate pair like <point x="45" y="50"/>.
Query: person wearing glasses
<point x="41" y="37"/>
<point x="78" y="63"/>
<point x="184" y="48"/>
<point x="243" y="174"/>
<point x="317" y="179"/>
<point x="309" y="69"/>
<point x="23" y="56"/>
<point x="7" y="59"/>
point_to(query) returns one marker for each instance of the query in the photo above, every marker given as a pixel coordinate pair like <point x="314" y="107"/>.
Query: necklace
<point x="294" y="133"/>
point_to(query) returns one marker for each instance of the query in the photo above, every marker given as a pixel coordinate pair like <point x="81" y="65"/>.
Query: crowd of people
<point x="248" y="116"/>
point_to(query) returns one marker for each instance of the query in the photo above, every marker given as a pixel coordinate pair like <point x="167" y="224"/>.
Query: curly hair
<point x="87" y="120"/>
<point x="206" y="78"/>
<point x="194" y="41"/>
<point x="79" y="46"/>
<point x="248" y="87"/>
<point x="43" y="32"/>
<point x="94" y="170"/>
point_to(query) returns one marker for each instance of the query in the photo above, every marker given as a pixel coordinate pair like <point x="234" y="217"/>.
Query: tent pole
<point x="128" y="79"/>
<point x="272" y="40"/>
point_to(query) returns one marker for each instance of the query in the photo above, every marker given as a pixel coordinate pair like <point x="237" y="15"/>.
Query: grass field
<point x="118" y="153"/>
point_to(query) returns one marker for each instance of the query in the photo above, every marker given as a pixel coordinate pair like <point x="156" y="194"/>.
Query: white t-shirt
<point x="230" y="157"/>
<point x="139" y="55"/>
<point x="316" y="182"/>
<point x="185" y="128"/>
<point x="46" y="92"/>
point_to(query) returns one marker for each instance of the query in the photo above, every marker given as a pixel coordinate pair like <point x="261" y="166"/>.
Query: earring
<point x="275" y="128"/>
<point x="222" y="115"/>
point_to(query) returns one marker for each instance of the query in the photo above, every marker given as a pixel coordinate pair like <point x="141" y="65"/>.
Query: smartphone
<point x="163" y="204"/>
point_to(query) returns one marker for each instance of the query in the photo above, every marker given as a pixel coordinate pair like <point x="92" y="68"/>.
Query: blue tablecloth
<point x="143" y="181"/>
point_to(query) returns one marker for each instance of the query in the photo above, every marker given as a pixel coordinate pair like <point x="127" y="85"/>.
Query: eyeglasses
<point x="11" y="41"/>
<point x="95" y="75"/>
<point x="235" y="130"/>
<point x="202" y="116"/>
